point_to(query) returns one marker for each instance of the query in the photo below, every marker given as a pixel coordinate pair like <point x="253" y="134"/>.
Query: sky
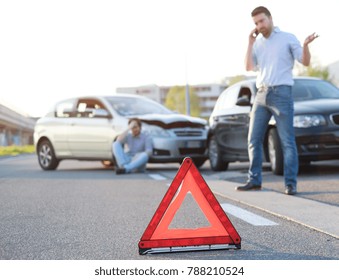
<point x="51" y="50"/>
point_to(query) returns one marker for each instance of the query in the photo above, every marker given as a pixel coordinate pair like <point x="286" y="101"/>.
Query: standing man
<point x="273" y="55"/>
<point x="139" y="149"/>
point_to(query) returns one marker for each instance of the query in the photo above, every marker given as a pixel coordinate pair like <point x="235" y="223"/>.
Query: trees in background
<point x="176" y="100"/>
<point x="314" y="70"/>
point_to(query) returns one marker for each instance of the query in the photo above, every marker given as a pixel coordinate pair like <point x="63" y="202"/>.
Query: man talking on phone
<point x="272" y="54"/>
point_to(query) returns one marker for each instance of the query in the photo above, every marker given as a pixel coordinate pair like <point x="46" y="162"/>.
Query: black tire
<point x="304" y="166"/>
<point x="107" y="163"/>
<point x="216" y="162"/>
<point x="46" y="156"/>
<point x="275" y="153"/>
<point x="199" y="162"/>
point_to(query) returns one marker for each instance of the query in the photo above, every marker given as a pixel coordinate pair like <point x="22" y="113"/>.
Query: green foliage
<point x="176" y="100"/>
<point x="315" y="71"/>
<point x="233" y="80"/>
<point x="16" y="150"/>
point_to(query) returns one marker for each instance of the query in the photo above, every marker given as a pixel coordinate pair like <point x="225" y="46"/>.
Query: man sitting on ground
<point x="139" y="150"/>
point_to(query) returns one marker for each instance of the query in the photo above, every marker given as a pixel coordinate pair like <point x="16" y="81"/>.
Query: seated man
<point x="139" y="147"/>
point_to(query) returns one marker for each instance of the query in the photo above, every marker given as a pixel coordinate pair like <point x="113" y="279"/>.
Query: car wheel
<point x="275" y="153"/>
<point x="304" y="166"/>
<point x="107" y="163"/>
<point x="217" y="164"/>
<point x="199" y="162"/>
<point x="46" y="156"/>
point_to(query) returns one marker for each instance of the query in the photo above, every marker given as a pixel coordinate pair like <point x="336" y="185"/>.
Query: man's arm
<point x="249" y="65"/>
<point x="149" y="145"/>
<point x="123" y="135"/>
<point x="306" y="59"/>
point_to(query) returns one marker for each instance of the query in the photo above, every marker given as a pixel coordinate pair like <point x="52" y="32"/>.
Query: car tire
<point x="214" y="154"/>
<point x="275" y="153"/>
<point x="107" y="163"/>
<point x="46" y="156"/>
<point x="199" y="162"/>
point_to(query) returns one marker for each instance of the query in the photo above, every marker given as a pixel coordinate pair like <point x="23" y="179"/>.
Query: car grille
<point x="319" y="143"/>
<point x="335" y="118"/>
<point x="158" y="152"/>
<point x="190" y="133"/>
<point x="189" y="151"/>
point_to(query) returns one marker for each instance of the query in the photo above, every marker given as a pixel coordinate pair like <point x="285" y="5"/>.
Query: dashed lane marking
<point x="157" y="177"/>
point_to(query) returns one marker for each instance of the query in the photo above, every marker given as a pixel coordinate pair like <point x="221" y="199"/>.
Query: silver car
<point x="84" y="128"/>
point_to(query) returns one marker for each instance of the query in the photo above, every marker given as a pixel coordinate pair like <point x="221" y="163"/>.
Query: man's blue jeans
<point x="130" y="162"/>
<point x="276" y="101"/>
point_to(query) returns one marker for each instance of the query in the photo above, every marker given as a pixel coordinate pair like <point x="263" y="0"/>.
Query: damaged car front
<point x="175" y="136"/>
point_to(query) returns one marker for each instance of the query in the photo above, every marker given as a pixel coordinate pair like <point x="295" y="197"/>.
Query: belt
<point x="272" y="87"/>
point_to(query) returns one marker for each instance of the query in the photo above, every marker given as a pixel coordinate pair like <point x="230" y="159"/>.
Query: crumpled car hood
<point x="173" y="120"/>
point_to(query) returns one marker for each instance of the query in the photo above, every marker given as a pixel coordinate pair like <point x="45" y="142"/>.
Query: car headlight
<point x="304" y="121"/>
<point x="155" y="131"/>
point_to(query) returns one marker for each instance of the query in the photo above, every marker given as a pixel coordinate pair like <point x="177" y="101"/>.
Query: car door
<point x="232" y="125"/>
<point x="57" y="127"/>
<point x="239" y="125"/>
<point x="91" y="137"/>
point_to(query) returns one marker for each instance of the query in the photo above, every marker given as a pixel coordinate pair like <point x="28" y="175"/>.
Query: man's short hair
<point x="136" y="120"/>
<point x="260" y="10"/>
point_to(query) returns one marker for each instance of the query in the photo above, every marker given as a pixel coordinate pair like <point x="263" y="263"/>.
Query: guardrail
<point x="15" y="128"/>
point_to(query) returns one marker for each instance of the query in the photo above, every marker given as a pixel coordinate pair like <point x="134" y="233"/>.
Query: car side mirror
<point x="101" y="113"/>
<point x="243" y="101"/>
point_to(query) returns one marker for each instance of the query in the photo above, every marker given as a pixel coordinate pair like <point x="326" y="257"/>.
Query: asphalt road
<point x="83" y="211"/>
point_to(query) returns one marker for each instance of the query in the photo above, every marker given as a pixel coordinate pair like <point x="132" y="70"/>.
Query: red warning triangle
<point x="219" y="232"/>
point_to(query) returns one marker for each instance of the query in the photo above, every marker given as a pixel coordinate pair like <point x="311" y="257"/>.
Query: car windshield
<point x="313" y="89"/>
<point x="130" y="106"/>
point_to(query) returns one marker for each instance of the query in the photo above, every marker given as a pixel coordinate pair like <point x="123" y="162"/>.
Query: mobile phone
<point x="256" y="33"/>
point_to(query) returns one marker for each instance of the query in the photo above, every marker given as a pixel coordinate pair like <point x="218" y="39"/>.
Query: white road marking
<point x="247" y="216"/>
<point x="157" y="177"/>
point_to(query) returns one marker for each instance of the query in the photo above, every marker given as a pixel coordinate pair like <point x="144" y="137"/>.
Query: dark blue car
<point x="316" y="122"/>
